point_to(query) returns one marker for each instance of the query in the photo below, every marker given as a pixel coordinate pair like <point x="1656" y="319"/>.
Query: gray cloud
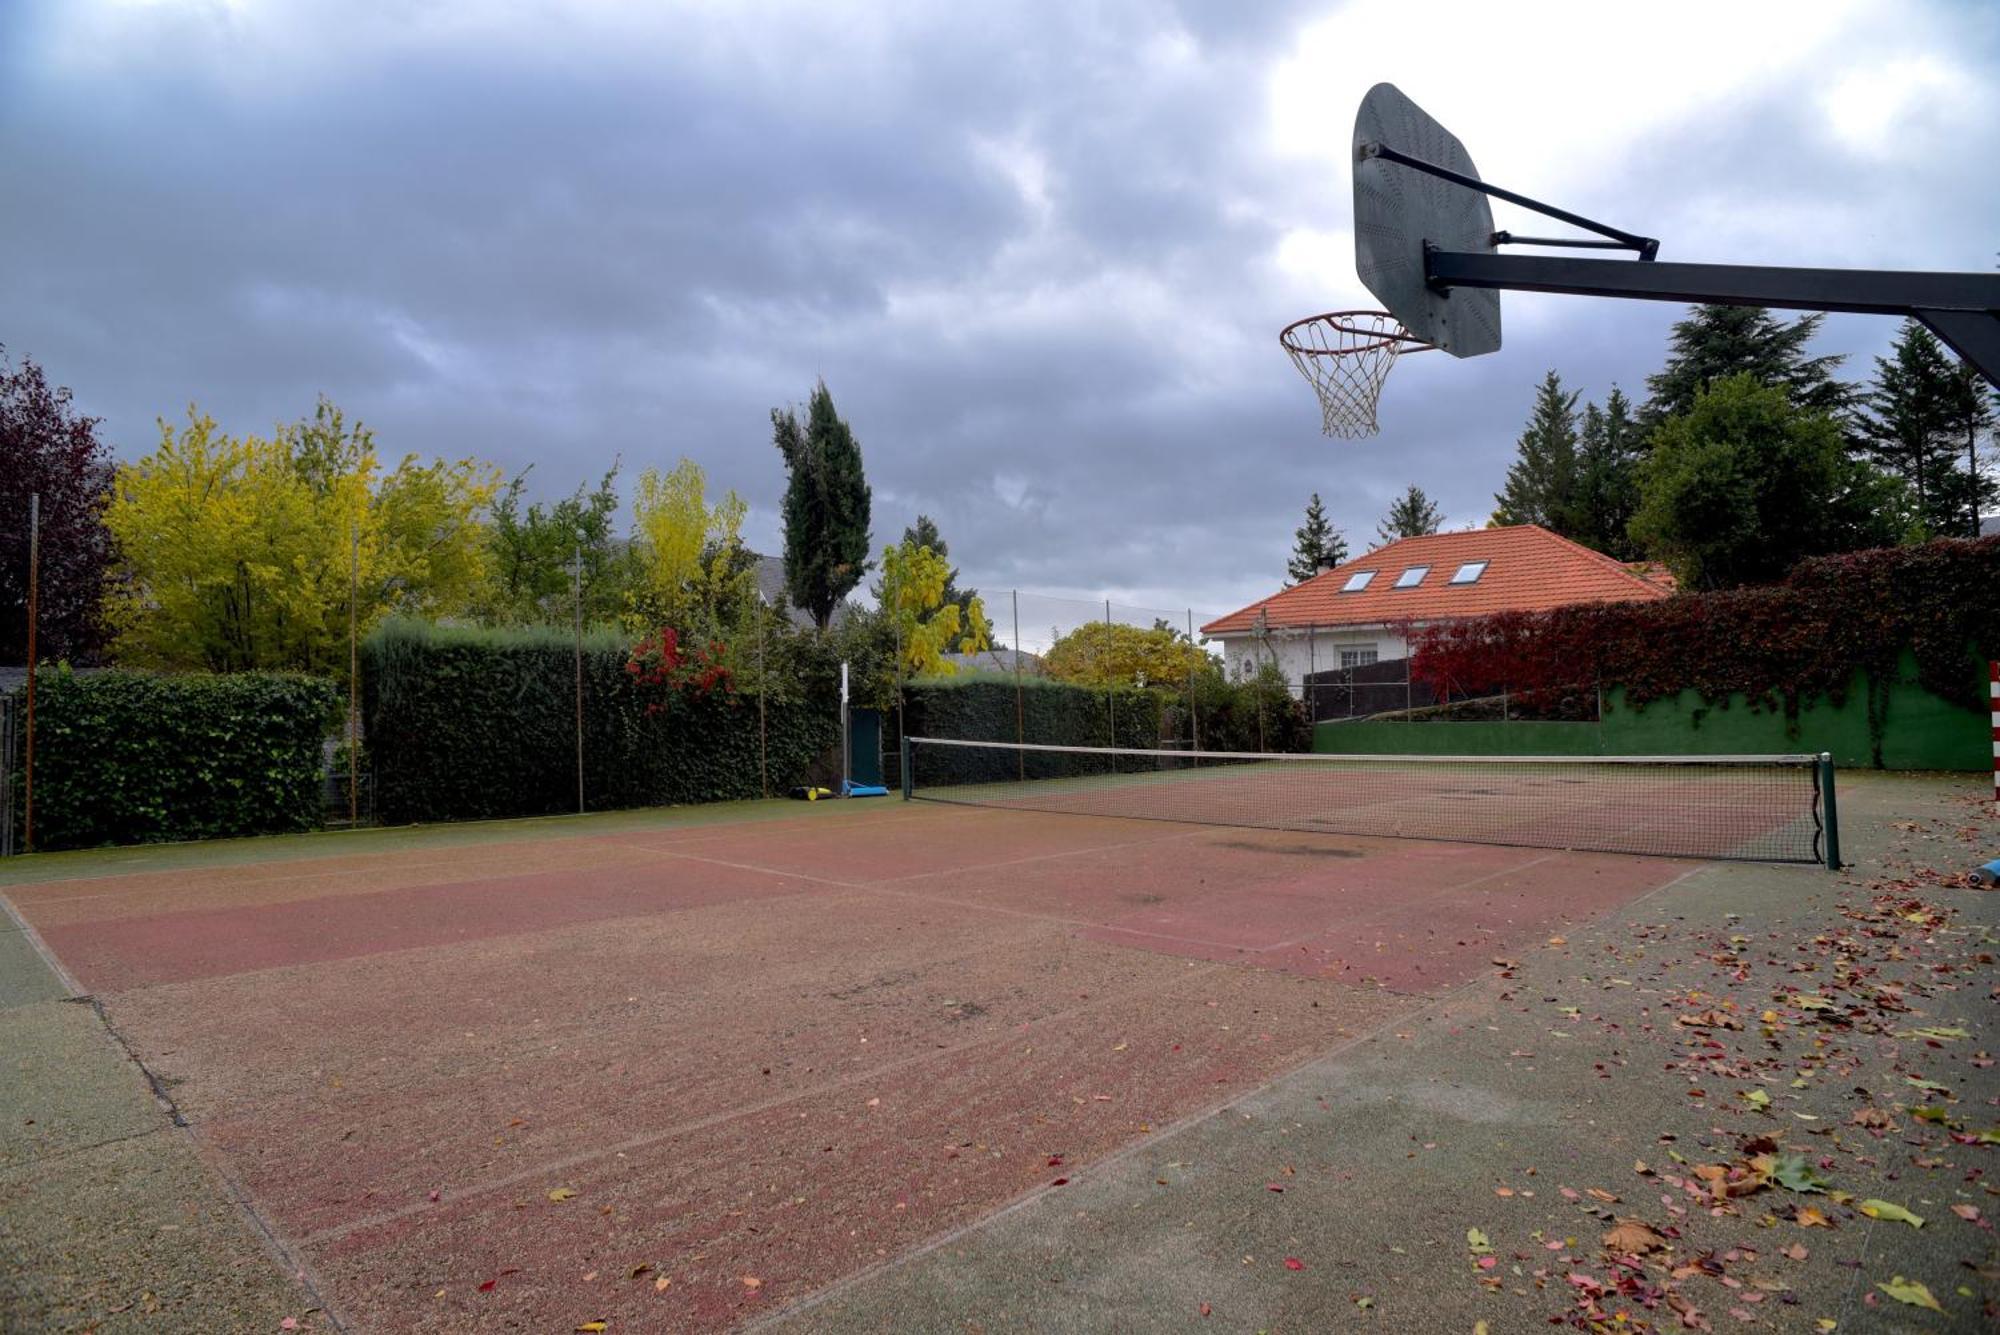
<point x="1037" y="251"/>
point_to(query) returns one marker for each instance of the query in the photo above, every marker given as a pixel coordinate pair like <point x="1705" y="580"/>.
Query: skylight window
<point x="1412" y="577"/>
<point x="1469" y="573"/>
<point x="1357" y="581"/>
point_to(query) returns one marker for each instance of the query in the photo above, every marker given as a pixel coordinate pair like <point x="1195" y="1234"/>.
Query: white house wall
<point x="1298" y="654"/>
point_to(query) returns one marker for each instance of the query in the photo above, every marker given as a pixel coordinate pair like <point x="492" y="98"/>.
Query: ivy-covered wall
<point x="134" y="757"/>
<point x="464" y="723"/>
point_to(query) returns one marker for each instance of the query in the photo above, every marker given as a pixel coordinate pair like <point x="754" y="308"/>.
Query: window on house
<point x="1469" y="573"/>
<point x="1357" y="581"/>
<point x="1354" y="658"/>
<point x="1412" y="577"/>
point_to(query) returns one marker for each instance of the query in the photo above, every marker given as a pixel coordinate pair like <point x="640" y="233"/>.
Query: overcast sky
<point x="1040" y="252"/>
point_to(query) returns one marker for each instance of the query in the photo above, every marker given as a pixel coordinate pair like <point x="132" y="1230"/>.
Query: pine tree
<point x="924" y="533"/>
<point x="826" y="506"/>
<point x="1541" y="482"/>
<point x="1319" y="545"/>
<point x="1412" y="516"/>
<point x="1922" y="410"/>
<point x="1607" y="489"/>
<point x="1716" y="342"/>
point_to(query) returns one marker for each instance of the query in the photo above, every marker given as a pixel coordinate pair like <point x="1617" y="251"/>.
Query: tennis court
<point x="673" y="1074"/>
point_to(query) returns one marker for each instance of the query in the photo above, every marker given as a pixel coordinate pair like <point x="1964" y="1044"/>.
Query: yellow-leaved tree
<point x="1110" y="653"/>
<point x="927" y="627"/>
<point x="694" y="573"/>
<point x="238" y="552"/>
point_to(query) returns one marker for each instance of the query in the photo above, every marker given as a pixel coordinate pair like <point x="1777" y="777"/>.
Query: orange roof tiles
<point x="1529" y="570"/>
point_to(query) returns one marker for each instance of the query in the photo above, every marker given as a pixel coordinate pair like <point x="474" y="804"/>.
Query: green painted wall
<point x="1919" y="731"/>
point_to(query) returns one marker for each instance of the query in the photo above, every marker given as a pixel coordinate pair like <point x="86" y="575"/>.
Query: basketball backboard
<point x="1398" y="210"/>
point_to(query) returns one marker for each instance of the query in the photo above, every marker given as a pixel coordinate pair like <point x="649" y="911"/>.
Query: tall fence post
<point x="763" y="689"/>
<point x="354" y="681"/>
<point x="576" y="603"/>
<point x="1194" y="710"/>
<point x="1020" y="701"/>
<point x="1110" y="683"/>
<point x="909" y="775"/>
<point x="34" y="609"/>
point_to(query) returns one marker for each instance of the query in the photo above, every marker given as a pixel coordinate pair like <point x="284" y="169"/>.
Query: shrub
<point x="466" y="723"/>
<point x="130" y="757"/>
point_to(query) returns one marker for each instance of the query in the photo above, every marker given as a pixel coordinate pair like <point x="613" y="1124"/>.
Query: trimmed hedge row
<point x="982" y="708"/>
<point x="130" y="757"/>
<point x="464" y="724"/>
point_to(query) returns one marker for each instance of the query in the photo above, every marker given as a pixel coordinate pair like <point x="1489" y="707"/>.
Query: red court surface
<point x="677" y="1077"/>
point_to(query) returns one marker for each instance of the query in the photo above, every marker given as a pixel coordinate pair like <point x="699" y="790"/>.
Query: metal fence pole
<point x="576" y="603"/>
<point x="1110" y="682"/>
<point x="354" y="682"/>
<point x="34" y="609"/>
<point x="763" y="689"/>
<point x="1194" y="710"/>
<point x="1020" y="701"/>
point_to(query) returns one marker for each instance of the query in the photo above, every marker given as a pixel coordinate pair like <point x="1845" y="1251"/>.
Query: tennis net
<point x="1753" y="808"/>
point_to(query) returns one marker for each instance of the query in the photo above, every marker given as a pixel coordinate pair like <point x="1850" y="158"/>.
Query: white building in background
<point x="1361" y="612"/>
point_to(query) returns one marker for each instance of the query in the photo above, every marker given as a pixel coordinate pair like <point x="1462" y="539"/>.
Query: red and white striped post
<point x="1993" y="693"/>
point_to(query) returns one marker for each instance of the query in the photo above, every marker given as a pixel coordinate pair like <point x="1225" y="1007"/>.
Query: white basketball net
<point x="1346" y="356"/>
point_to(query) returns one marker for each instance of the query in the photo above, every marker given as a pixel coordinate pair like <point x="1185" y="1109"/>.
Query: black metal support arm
<point x="1646" y="246"/>
<point x="1962" y="309"/>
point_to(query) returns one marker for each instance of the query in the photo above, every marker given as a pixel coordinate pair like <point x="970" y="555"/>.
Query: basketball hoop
<point x="1347" y="355"/>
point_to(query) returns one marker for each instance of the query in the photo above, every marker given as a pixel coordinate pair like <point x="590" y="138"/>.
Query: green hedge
<point x="982" y="708"/>
<point x="130" y="757"/>
<point x="464" y="723"/>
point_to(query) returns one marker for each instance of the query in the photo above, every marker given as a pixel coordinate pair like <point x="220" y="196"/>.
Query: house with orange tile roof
<point x="1358" y="612"/>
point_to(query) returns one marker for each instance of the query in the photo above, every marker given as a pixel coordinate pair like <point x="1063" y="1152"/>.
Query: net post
<point x="909" y="779"/>
<point x="1832" y="811"/>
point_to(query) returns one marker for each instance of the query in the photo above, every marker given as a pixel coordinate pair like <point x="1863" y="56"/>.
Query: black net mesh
<point x="1756" y="808"/>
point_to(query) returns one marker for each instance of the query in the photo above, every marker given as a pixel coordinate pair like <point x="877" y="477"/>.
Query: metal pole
<point x="1111" y="684"/>
<point x="1312" y="670"/>
<point x="1832" y="810"/>
<point x="576" y="603"/>
<point x="1194" y="710"/>
<point x="1020" y="704"/>
<point x="909" y="775"/>
<point x="763" y="687"/>
<point x="34" y="592"/>
<point x="354" y="681"/>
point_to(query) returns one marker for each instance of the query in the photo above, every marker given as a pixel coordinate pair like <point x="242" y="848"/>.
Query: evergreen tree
<point x="826" y="506"/>
<point x="1541" y="482"/>
<point x="1745" y="484"/>
<point x="1318" y="546"/>
<point x="924" y="533"/>
<point x="1716" y="342"/>
<point x="1412" y="516"/>
<point x="1606" y="493"/>
<point x="1916" y="423"/>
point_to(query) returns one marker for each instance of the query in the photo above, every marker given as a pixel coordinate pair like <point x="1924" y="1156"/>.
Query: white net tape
<point x="1346" y="356"/>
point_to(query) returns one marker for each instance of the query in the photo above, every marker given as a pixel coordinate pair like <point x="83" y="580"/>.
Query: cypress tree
<point x="1607" y="491"/>
<point x="826" y="506"/>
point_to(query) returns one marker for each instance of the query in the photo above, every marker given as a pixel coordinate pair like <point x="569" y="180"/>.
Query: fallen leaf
<point x="752" y="1282"/>
<point x="594" y="1326"/>
<point x="1875" y="1209"/>
<point x="1599" y="1194"/>
<point x="1633" y="1237"/>
<point x="1910" y="1291"/>
<point x="639" y="1269"/>
<point x="562" y="1193"/>
<point x="1797" y="1251"/>
<point x="1969" y="1213"/>
<point x="1792" y="1172"/>
<point x="1812" y="1217"/>
<point x="1294" y="1263"/>
<point x="1477" y="1240"/>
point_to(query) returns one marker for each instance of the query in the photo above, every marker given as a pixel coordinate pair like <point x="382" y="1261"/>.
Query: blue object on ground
<point x="865" y="790"/>
<point x="1988" y="874"/>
